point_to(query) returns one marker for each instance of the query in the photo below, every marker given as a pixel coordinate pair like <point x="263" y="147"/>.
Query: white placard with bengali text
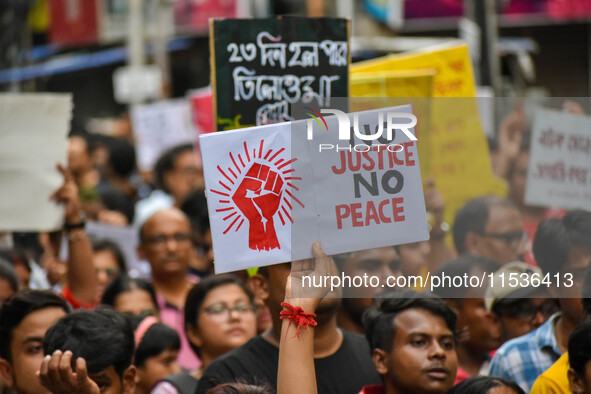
<point x="160" y="126"/>
<point x="559" y="174"/>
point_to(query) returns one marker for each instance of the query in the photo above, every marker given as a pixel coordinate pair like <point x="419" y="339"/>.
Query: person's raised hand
<point x="57" y="376"/>
<point x="511" y="133"/>
<point x="319" y="270"/>
<point x="67" y="194"/>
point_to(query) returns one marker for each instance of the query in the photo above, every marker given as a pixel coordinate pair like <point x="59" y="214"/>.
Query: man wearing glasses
<point x="562" y="248"/>
<point x="519" y="309"/>
<point x="490" y="227"/>
<point x="165" y="242"/>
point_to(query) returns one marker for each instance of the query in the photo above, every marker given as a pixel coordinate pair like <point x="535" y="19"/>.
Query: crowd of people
<point x="79" y="322"/>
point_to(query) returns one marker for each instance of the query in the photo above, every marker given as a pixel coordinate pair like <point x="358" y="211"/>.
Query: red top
<point x="373" y="389"/>
<point x="73" y="301"/>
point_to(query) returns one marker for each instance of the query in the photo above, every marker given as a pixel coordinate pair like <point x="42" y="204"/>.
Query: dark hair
<point x="195" y="207"/>
<point x="379" y="320"/>
<point x="8" y="273"/>
<point x="20" y="305"/>
<point x="555" y="237"/>
<point x="123" y="284"/>
<point x="200" y="291"/>
<point x="158" y="338"/>
<point x="88" y="139"/>
<point x="241" y="388"/>
<point x="102" y="337"/>
<point x="117" y="200"/>
<point x="586" y="292"/>
<point x="464" y="264"/>
<point x="121" y="156"/>
<point x="166" y="162"/>
<point x="482" y="385"/>
<point x="473" y="217"/>
<point x="16" y="257"/>
<point x="99" y="245"/>
<point x="579" y="347"/>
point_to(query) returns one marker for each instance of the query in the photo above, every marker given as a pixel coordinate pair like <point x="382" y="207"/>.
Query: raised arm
<point x="80" y="275"/>
<point x="296" y="373"/>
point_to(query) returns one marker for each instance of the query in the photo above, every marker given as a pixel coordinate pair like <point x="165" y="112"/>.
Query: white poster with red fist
<point x="351" y="181"/>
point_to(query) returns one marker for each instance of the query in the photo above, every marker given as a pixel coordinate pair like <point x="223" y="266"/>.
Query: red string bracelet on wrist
<point x="297" y="315"/>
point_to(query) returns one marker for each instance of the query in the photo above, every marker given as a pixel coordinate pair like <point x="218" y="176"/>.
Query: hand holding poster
<point x="274" y="190"/>
<point x="560" y="161"/>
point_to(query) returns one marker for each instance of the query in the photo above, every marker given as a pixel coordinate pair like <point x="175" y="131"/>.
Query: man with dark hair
<point x="522" y="308"/>
<point x="195" y="207"/>
<point x="342" y="359"/>
<point x="579" y="357"/>
<point x="80" y="162"/>
<point x="479" y="336"/>
<point x="491" y="227"/>
<point x="176" y="173"/>
<point x="562" y="247"/>
<point x="380" y="262"/>
<point x="556" y="378"/>
<point x="412" y="339"/>
<point x="89" y="352"/>
<point x="25" y="318"/>
<point x="165" y="242"/>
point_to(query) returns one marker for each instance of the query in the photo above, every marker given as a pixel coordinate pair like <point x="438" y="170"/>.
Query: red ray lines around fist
<point x="256" y="189"/>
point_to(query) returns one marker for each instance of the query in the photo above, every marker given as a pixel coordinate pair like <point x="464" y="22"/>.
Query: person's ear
<point x="472" y="243"/>
<point x="6" y="372"/>
<point x="129" y="380"/>
<point x="194" y="337"/>
<point x="576" y="382"/>
<point x="380" y="361"/>
<point x="259" y="285"/>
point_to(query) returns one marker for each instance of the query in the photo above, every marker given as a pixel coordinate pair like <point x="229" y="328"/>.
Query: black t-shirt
<point x="345" y="372"/>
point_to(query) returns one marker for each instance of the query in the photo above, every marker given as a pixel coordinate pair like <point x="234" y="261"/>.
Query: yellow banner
<point x="455" y="150"/>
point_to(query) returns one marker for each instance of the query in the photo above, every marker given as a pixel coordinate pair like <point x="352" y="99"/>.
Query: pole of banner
<point x="135" y="39"/>
<point x="483" y="16"/>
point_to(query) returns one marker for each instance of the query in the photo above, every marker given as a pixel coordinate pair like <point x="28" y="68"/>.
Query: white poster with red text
<point x="273" y="190"/>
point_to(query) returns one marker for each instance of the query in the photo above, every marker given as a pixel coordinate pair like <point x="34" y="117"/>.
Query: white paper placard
<point x="160" y="126"/>
<point x="559" y="174"/>
<point x="272" y="192"/>
<point x="33" y="139"/>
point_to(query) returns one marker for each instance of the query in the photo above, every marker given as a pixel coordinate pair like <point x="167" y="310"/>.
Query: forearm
<point x="296" y="373"/>
<point x="81" y="276"/>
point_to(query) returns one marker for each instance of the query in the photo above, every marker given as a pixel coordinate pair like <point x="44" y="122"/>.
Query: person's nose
<point x="171" y="243"/>
<point x="102" y="277"/>
<point x="437" y="351"/>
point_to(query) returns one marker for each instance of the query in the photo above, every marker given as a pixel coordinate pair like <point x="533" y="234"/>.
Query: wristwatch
<point x="73" y="226"/>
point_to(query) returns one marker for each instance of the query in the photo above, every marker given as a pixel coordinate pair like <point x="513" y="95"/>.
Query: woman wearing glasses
<point x="219" y="316"/>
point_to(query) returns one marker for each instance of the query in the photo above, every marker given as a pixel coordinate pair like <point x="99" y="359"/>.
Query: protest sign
<point x="33" y="138"/>
<point x="159" y="126"/>
<point x="262" y="66"/>
<point x="202" y="109"/>
<point x="559" y="172"/>
<point x="457" y="154"/>
<point x="273" y="190"/>
<point x="412" y="83"/>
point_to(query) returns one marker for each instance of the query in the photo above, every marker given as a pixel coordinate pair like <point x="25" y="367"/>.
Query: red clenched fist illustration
<point x="258" y="197"/>
<point x="255" y="185"/>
